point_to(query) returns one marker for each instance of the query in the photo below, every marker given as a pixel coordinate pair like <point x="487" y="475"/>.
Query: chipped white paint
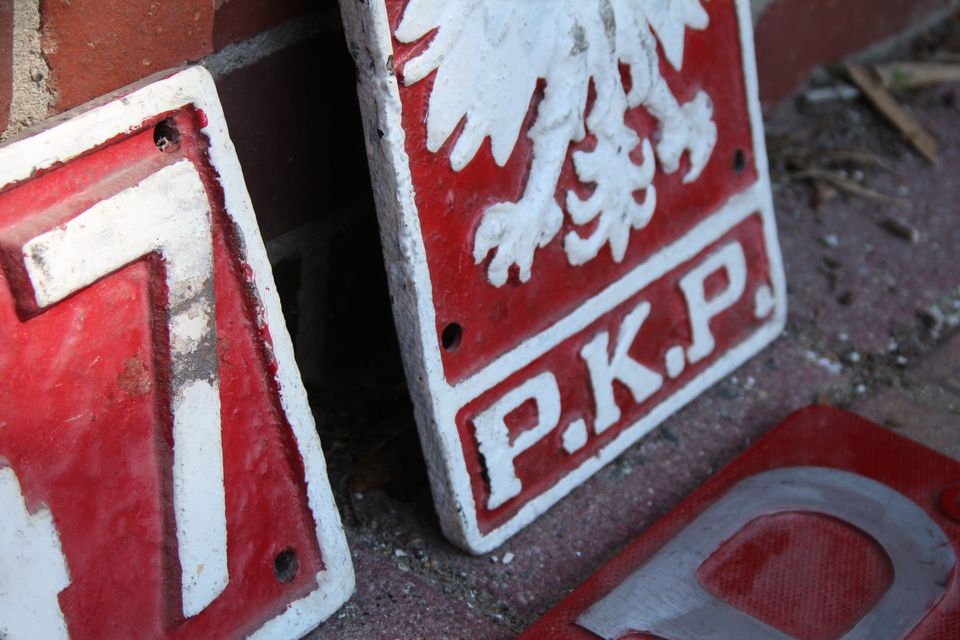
<point x="33" y="570"/>
<point x="92" y="126"/>
<point x="190" y="327"/>
<point x="437" y="402"/>
<point x="168" y="214"/>
<point x="572" y="45"/>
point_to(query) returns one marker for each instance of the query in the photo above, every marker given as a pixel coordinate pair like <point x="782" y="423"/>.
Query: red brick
<point x="297" y="134"/>
<point x="390" y="604"/>
<point x="6" y="62"/>
<point x="237" y="20"/>
<point x="794" y="36"/>
<point x="96" y="46"/>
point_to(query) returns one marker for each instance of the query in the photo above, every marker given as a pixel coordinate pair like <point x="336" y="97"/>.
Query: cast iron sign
<point x="577" y="225"/>
<point x="160" y="471"/>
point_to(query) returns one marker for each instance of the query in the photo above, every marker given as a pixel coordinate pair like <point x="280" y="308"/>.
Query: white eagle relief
<point x="489" y="56"/>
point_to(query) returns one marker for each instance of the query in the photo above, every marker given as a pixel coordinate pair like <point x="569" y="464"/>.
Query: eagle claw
<point x="515" y="230"/>
<point x="617" y="178"/>
<point x="689" y="128"/>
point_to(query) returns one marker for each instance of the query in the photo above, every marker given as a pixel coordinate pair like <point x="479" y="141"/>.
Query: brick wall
<point x="285" y="76"/>
<point x="794" y="36"/>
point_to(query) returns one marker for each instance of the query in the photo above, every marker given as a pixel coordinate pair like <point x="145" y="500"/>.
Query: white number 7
<point x="168" y="214"/>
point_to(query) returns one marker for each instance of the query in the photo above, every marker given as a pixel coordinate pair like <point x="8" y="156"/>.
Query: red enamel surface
<point x="541" y="466"/>
<point x="822" y="575"/>
<point x="451" y="204"/>
<point x="809" y="576"/>
<point x="950" y="503"/>
<point x="85" y="423"/>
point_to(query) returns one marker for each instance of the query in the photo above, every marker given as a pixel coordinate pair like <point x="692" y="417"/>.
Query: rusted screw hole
<point x="452" y="336"/>
<point x="286" y="565"/>
<point x="166" y="136"/>
<point x="739" y="161"/>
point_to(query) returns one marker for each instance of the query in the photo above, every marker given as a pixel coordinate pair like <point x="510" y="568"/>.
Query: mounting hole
<point x="451" y="337"/>
<point x="286" y="565"/>
<point x="166" y="136"/>
<point x="739" y="161"/>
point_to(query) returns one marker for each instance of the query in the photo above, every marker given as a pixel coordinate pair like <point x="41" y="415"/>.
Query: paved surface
<point x="872" y="328"/>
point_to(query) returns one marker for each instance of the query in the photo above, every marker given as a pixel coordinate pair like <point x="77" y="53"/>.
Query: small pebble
<point x="852" y="357"/>
<point x="830" y="240"/>
<point x="932" y="318"/>
<point x="400" y="553"/>
<point x="901" y="228"/>
<point x="508" y="557"/>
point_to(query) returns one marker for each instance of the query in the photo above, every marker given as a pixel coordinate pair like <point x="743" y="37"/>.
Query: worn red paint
<point x="809" y="576"/>
<point x="85" y="424"/>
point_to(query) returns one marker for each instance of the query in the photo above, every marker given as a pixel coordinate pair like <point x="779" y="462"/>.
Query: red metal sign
<point x="829" y="527"/>
<point x="577" y="224"/>
<point x="160" y="471"/>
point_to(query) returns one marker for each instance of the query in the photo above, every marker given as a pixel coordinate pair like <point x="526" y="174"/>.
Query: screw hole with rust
<point x="166" y="136"/>
<point x="286" y="565"/>
<point x="739" y="161"/>
<point x="451" y="337"/>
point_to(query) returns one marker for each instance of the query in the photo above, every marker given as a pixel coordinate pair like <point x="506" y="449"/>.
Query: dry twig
<point x="891" y="109"/>
<point x="911" y="75"/>
<point x="844" y="184"/>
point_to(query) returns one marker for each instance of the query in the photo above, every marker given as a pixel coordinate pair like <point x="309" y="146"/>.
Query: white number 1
<point x="168" y="214"/>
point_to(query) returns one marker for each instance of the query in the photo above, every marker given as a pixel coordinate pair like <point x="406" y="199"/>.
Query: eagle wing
<point x="489" y="56"/>
<point x="668" y="19"/>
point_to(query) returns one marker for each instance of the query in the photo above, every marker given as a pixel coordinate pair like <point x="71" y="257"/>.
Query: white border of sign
<point x="80" y="130"/>
<point x="436" y="401"/>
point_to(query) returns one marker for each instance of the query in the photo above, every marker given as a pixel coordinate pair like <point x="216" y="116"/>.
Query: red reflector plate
<point x="829" y="525"/>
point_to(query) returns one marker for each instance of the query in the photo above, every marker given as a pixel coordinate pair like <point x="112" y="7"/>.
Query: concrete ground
<point x="873" y="327"/>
